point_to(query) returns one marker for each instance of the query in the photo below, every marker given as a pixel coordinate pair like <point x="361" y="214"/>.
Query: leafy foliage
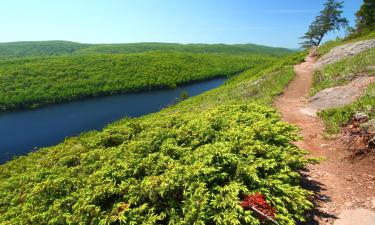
<point x="191" y="163"/>
<point x="258" y="202"/>
<point x="329" y="19"/>
<point x="32" y="82"/>
<point x="176" y="169"/>
<point x="366" y="16"/>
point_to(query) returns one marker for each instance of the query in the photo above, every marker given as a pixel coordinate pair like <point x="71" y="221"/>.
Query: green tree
<point x="366" y="16"/>
<point x="330" y="19"/>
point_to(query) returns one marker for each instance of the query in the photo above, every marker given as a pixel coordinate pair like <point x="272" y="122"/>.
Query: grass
<point x="324" y="49"/>
<point x="344" y="71"/>
<point x="341" y="73"/>
<point x="337" y="118"/>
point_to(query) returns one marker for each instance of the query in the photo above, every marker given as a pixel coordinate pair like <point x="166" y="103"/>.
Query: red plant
<point x="258" y="202"/>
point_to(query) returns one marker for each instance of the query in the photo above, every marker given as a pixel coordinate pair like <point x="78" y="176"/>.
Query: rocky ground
<point x="344" y="51"/>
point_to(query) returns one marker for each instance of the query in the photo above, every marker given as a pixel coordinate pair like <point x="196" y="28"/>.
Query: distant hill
<point x="190" y="48"/>
<point x="38" y="48"/>
<point x="33" y="74"/>
<point x="33" y="82"/>
<point x="56" y="48"/>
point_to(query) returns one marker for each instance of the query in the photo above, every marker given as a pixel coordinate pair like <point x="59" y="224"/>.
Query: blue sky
<point x="268" y="22"/>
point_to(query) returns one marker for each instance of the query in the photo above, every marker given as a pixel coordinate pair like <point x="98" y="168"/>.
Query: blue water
<point x="21" y="132"/>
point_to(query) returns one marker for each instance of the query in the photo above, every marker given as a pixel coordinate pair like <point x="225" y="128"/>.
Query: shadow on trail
<point x="315" y="215"/>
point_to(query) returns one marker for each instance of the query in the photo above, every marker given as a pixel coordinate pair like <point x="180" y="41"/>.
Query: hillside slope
<point x="55" y="48"/>
<point x="342" y="183"/>
<point x="38" y="48"/>
<point x="34" y="82"/>
<point x="190" y="163"/>
<point x="190" y="48"/>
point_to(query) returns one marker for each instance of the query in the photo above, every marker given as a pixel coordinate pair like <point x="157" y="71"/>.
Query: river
<point x="24" y="131"/>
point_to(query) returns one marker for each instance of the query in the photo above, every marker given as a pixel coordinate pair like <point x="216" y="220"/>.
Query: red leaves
<point x="258" y="202"/>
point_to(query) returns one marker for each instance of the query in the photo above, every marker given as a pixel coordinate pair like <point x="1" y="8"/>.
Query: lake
<point x="23" y="131"/>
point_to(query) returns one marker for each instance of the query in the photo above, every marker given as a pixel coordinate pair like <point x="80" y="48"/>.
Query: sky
<point x="266" y="22"/>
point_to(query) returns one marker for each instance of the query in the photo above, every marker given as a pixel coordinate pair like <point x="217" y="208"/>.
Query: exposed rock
<point x="344" y="51"/>
<point x="361" y="117"/>
<point x="337" y="96"/>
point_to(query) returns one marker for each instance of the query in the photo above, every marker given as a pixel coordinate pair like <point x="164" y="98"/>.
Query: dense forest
<point x="55" y="48"/>
<point x="32" y="82"/>
<point x="38" y="49"/>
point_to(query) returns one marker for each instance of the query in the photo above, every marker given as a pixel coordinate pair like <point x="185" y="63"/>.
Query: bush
<point x="162" y="169"/>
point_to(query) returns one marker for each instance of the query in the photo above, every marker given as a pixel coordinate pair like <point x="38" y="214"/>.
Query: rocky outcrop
<point x="337" y="96"/>
<point x="344" y="51"/>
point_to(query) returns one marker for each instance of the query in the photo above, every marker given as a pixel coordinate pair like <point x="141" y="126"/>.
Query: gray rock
<point x="344" y="51"/>
<point x="361" y="117"/>
<point x="337" y="96"/>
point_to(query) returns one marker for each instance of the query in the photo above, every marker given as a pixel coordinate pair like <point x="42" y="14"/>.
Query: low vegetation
<point x="192" y="163"/>
<point x="324" y="49"/>
<point x="337" y="118"/>
<point x="345" y="71"/>
<point x="33" y="82"/>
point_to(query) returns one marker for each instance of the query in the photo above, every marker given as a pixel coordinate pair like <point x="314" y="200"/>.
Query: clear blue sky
<point x="268" y="22"/>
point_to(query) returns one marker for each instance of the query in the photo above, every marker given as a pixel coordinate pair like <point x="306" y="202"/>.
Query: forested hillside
<point x="191" y="48"/>
<point x="32" y="82"/>
<point x="33" y="74"/>
<point x="54" y="48"/>
<point x="38" y="48"/>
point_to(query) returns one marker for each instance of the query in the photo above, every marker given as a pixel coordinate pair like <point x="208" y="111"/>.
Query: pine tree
<point x="366" y="16"/>
<point x="330" y="19"/>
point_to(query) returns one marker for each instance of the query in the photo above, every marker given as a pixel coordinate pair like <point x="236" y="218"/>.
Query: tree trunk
<point x="320" y="39"/>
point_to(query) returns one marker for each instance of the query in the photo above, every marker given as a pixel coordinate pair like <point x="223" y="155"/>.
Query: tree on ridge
<point x="330" y="19"/>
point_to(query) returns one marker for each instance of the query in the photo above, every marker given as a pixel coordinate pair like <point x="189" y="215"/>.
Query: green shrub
<point x="171" y="169"/>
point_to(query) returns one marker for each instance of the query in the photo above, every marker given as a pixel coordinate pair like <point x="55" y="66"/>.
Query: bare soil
<point x="338" y="183"/>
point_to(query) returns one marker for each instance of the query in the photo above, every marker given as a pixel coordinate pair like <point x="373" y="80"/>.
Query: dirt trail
<point x="338" y="184"/>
